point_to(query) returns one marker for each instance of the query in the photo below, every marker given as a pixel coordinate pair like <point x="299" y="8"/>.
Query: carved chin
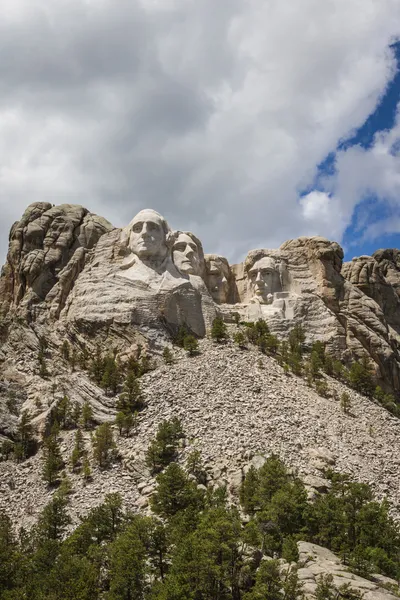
<point x="149" y="251"/>
<point x="187" y="269"/>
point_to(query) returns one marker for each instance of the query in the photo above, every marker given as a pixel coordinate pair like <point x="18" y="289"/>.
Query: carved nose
<point x="258" y="278"/>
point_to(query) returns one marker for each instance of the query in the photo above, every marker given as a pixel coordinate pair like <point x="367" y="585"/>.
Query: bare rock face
<point x="389" y="262"/>
<point x="70" y="267"/>
<point x="47" y="250"/>
<point x="318" y="560"/>
<point x="367" y="275"/>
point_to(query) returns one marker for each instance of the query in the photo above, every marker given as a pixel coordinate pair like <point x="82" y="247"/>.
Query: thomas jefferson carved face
<point x="218" y="275"/>
<point x="148" y="235"/>
<point x="186" y="255"/>
<point x="263" y="279"/>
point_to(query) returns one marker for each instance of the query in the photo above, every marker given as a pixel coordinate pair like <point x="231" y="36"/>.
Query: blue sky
<point x="372" y="209"/>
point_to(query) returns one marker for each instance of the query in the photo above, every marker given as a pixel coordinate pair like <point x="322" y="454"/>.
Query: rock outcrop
<point x="46" y="254"/>
<point x="315" y="560"/>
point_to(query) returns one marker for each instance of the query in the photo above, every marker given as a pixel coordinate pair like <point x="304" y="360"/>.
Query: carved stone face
<point x="147" y="235"/>
<point x="218" y="276"/>
<point x="263" y="279"/>
<point x="185" y="254"/>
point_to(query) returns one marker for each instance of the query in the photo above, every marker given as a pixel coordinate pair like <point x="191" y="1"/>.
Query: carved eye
<point x="179" y="247"/>
<point x="137" y="228"/>
<point x="152" y="226"/>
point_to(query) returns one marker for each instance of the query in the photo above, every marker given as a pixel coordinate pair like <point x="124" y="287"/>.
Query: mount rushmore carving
<point x="67" y="268"/>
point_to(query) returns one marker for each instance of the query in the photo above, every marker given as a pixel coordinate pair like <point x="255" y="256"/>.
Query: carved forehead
<point x="152" y="216"/>
<point x="216" y="264"/>
<point x="185" y="238"/>
<point x="264" y="264"/>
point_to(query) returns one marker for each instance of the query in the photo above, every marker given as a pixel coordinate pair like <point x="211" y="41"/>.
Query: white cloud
<point x="362" y="173"/>
<point x="215" y="113"/>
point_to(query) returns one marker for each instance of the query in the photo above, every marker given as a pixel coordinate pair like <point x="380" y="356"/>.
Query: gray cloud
<point x="214" y="113"/>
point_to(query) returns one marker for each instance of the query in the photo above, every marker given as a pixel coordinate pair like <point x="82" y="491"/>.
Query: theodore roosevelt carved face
<point x="218" y="277"/>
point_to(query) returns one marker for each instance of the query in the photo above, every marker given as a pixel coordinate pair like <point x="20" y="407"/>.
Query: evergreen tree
<point x="26" y="444"/>
<point x="191" y="345"/>
<point x="180" y="336"/>
<point x="131" y="400"/>
<point x="360" y="377"/>
<point x="168" y="356"/>
<point x="111" y="375"/>
<point x="125" y="422"/>
<point x="128" y="563"/>
<point x="97" y="366"/>
<point x="240" y="340"/>
<point x="52" y="460"/>
<point x="87" y="416"/>
<point x="338" y="369"/>
<point x="54" y="519"/>
<point x="86" y="470"/>
<point x="62" y="412"/>
<point x="249" y="491"/>
<point x="175" y="492"/>
<point x="219" y="331"/>
<point x="78" y="451"/>
<point x="345" y="402"/>
<point x="195" y="467"/>
<point x="103" y="445"/>
<point x="163" y="449"/>
<point x="296" y="340"/>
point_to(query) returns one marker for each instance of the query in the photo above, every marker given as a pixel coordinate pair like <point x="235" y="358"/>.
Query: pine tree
<point x="76" y="413"/>
<point x="168" y="356"/>
<point x="345" y="403"/>
<point x="131" y="400"/>
<point x="53" y="462"/>
<point x="219" y="331"/>
<point x="175" y="492"/>
<point x="111" y="375"/>
<point x="248" y="493"/>
<point x="103" y="444"/>
<point x="360" y="377"/>
<point x="54" y="519"/>
<point x="26" y="444"/>
<point x="195" y="467"/>
<point x="125" y="421"/>
<point x="191" y="345"/>
<point x="240" y="340"/>
<point x="78" y="450"/>
<point x="86" y="470"/>
<point x="163" y="449"/>
<point x="87" y="416"/>
<point x="297" y="338"/>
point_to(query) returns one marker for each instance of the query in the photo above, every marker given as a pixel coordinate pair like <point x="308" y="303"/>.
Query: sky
<point x="248" y="122"/>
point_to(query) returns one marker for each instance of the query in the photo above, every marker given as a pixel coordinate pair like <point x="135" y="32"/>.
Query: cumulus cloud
<point x="214" y="113"/>
<point x="366" y="173"/>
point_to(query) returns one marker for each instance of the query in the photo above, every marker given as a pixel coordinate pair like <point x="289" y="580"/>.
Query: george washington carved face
<point x="148" y="235"/>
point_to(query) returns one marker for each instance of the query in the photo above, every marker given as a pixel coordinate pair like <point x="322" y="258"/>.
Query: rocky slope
<point x="236" y="407"/>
